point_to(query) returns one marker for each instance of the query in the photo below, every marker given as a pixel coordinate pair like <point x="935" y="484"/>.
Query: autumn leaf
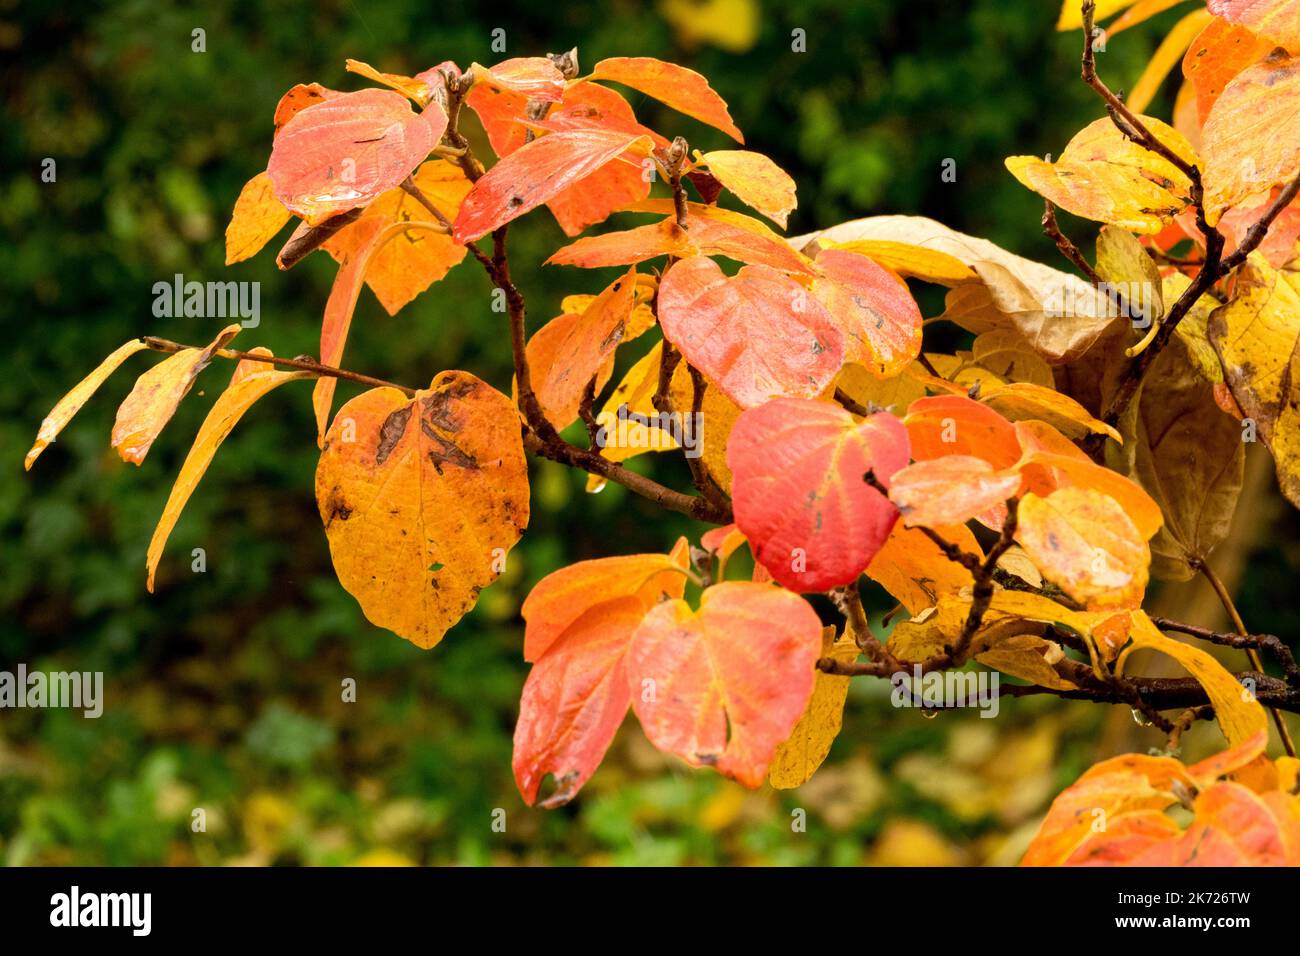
<point x="955" y="425"/>
<point x="297" y="99"/>
<point x="724" y="685"/>
<point x="1018" y="401"/>
<point x="1102" y="175"/>
<point x="415" y="89"/>
<point x="757" y="335"/>
<point x="798" y="757"/>
<point x="1085" y="542"/>
<point x="755" y="180"/>
<point x="908" y="260"/>
<point x="511" y="119"/>
<point x="710" y="231"/>
<point x="1218" y="53"/>
<point x="568" y="353"/>
<point x="71" y="403"/>
<point x="799" y="491"/>
<point x="345" y="151"/>
<point x="1004" y="353"/>
<point x="1278" y="21"/>
<point x="950" y="490"/>
<point x="1257" y="336"/>
<point x="421" y="500"/>
<point x="534" y="77"/>
<point x="258" y="216"/>
<point x="414" y="259"/>
<point x="1240" y="716"/>
<point x="156" y="395"/>
<point x="538" y="171"/>
<point x="915" y="572"/>
<point x="1249" y="138"/>
<point x="880" y="319"/>
<point x="251" y="381"/>
<point x="684" y="90"/>
<point x="1050" y="461"/>
<point x="574" y="700"/>
<point x="1167" y="56"/>
<point x="1188" y="455"/>
<point x="560" y="598"/>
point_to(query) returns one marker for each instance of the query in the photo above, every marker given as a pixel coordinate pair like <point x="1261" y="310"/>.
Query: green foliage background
<point x="223" y="689"/>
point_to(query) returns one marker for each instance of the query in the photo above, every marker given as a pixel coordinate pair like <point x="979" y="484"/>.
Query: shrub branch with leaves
<point x="1014" y="498"/>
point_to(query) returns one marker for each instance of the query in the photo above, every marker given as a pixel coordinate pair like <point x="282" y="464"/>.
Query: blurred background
<point x="223" y="688"/>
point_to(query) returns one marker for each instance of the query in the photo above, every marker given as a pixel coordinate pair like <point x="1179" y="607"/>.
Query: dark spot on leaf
<point x="391" y="432"/>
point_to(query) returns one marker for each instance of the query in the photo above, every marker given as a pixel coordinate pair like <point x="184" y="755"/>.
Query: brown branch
<point x="1259" y="229"/>
<point x="303" y="363"/>
<point x="1066" y="245"/>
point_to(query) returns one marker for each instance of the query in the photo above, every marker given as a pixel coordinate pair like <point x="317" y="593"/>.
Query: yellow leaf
<point x="756" y="181"/>
<point x="731" y="25"/>
<point x="71" y="403"/>
<point x="156" y="395"/>
<point x="1086" y="543"/>
<point x="1257" y="336"/>
<point x="1102" y="175"/>
<point x="251" y="381"/>
<point x="798" y="758"/>
<point x="911" y="261"/>
<point x="421" y="500"/>
<point x="1250" y="136"/>
<point x="1240" y="716"/>
<point x="258" y="216"/>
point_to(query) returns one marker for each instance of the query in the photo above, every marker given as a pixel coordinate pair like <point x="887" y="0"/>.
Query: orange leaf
<point x="915" y="572"/>
<point x="299" y="98"/>
<point x="415" y="89"/>
<point x="725" y="685"/>
<point x="156" y="395"/>
<point x="1051" y="461"/>
<point x="757" y="335"/>
<point x="413" y="260"/>
<point x="568" y="352"/>
<point x="560" y="598"/>
<point x="538" y="171"/>
<point x="421" y="500"/>
<point x="955" y="425"/>
<point x="950" y="490"/>
<point x="534" y="77"/>
<point x="345" y="151"/>
<point x="71" y="403"/>
<point x="798" y="490"/>
<point x="1219" y="53"/>
<point x="684" y="90"/>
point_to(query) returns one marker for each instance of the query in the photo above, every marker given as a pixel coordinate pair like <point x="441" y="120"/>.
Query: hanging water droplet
<point x="1139" y="718"/>
<point x="929" y="713"/>
<point x="597" y="486"/>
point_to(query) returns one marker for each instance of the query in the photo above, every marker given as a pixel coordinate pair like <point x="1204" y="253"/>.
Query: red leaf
<point x="725" y="685"/>
<point x="298" y="99"/>
<point x="537" y="172"/>
<point x="684" y="90"/>
<point x="799" y="493"/>
<point x="758" y="335"/>
<point x="574" y="700"/>
<point x="345" y="151"/>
